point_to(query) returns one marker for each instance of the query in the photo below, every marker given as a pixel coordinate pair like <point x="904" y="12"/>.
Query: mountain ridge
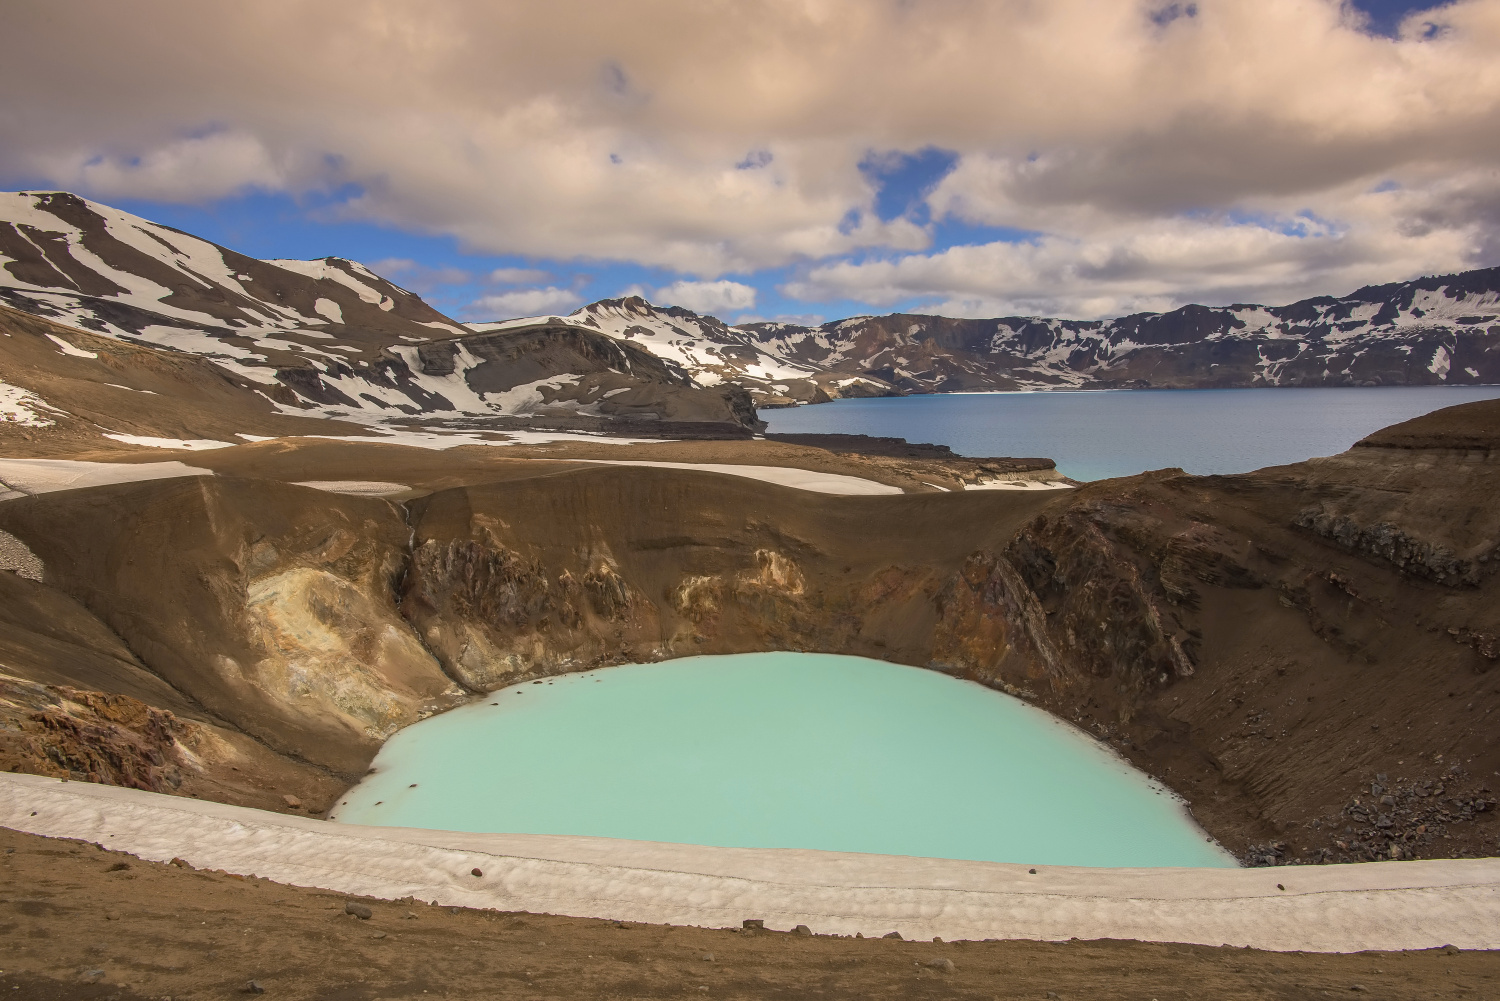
<point x="1437" y="329"/>
<point x="330" y="338"/>
<point x="326" y="337"/>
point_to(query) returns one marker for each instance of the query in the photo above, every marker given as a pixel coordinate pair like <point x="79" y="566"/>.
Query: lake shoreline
<point x="1108" y="433"/>
<point x="847" y="738"/>
<point x="1334" y="909"/>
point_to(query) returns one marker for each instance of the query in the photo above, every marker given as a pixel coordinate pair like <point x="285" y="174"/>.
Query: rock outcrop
<point x="1270" y="666"/>
<point x="270" y="606"/>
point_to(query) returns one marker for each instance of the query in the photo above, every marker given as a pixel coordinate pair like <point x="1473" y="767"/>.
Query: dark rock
<point x="892" y="934"/>
<point x="358" y="910"/>
<point x="941" y="963"/>
<point x="476" y="871"/>
<point x="253" y="988"/>
<point x="802" y="930"/>
<point x="754" y="924"/>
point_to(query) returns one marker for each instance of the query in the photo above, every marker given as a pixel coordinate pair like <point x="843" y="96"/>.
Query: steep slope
<point x="326" y="337"/>
<point x="1306" y="652"/>
<point x="712" y="351"/>
<point x="1439" y="330"/>
<point x="560" y="370"/>
<point x="64" y="390"/>
<point x="267" y="605"/>
<point x="95" y="267"/>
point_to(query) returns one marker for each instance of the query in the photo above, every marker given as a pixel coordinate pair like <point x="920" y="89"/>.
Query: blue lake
<point x="780" y="750"/>
<point x="1096" y="435"/>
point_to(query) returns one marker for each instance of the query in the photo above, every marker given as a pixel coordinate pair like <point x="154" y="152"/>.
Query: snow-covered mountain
<point x="331" y="338"/>
<point x="711" y="350"/>
<point x="1432" y="330"/>
<point x="1442" y="329"/>
<point x="327" y="336"/>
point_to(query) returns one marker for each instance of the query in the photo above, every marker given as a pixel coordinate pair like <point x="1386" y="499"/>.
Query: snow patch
<point x="330" y="309"/>
<point x="1347" y="908"/>
<point x="25" y="477"/>
<point x="20" y="406"/>
<point x="786" y="476"/>
<point x="183" y="444"/>
<point x="358" y="488"/>
<point x="460" y="331"/>
<point x="1018" y="485"/>
<point x="65" y="348"/>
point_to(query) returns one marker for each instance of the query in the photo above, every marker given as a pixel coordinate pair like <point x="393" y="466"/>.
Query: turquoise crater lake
<point x="780" y="750"/>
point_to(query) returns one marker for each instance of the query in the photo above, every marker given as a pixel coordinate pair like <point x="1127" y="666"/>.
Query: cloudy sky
<point x="785" y="158"/>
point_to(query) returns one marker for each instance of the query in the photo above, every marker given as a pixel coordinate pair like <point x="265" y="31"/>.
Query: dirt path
<point x="77" y="921"/>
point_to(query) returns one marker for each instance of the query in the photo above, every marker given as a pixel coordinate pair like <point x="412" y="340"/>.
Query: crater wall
<point x="1313" y="696"/>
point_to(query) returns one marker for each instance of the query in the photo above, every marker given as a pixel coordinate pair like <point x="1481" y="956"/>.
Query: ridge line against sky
<point x="788" y="159"/>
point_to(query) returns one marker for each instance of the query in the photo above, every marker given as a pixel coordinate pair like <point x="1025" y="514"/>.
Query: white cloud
<point x="523" y="302"/>
<point x="588" y="129"/>
<point x="517" y="276"/>
<point x="707" y="297"/>
<point x="796" y="319"/>
<point x="1152" y="265"/>
<point x="420" y="278"/>
<point x="179" y="170"/>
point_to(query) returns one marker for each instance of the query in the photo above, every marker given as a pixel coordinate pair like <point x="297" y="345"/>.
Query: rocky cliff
<point x="1305" y="652"/>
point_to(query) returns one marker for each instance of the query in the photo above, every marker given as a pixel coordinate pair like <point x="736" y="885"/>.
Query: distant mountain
<point x="1439" y="330"/>
<point x="705" y="346"/>
<point x="330" y="338"/>
<point x="325" y="337"/>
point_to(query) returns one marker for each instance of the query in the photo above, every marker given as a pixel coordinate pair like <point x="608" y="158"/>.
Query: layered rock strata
<point x="1318" y="686"/>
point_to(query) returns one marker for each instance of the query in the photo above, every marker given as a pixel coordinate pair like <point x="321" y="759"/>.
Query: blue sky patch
<point x="1386" y="15"/>
<point x="903" y="181"/>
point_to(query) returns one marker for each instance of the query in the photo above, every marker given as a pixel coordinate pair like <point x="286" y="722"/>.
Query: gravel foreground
<point x="78" y="921"/>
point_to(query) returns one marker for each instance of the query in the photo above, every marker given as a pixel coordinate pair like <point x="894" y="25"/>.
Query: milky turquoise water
<point x="780" y="750"/>
<point x="1096" y="435"/>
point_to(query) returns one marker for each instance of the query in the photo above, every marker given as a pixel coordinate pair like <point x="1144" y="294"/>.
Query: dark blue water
<point x="1093" y="436"/>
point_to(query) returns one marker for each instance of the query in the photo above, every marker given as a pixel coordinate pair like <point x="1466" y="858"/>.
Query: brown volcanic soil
<point x="140" y="390"/>
<point x="297" y="459"/>
<point x="129" y="389"/>
<point x="317" y="624"/>
<point x="81" y="922"/>
<point x="1304" y="652"/>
